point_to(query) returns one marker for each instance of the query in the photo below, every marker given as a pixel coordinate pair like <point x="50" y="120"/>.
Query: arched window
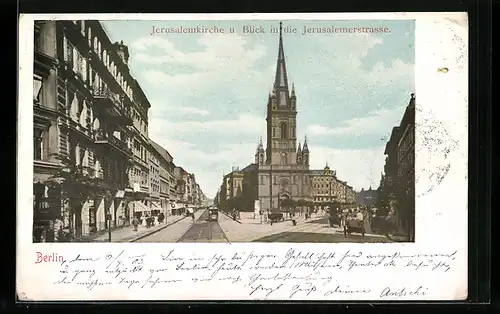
<point x="261" y="158"/>
<point x="283" y="160"/>
<point x="89" y="36"/>
<point x="284" y="130"/>
<point x="77" y="155"/>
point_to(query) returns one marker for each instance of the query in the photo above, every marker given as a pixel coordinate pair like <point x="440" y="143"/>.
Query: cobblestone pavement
<point x="172" y="233"/>
<point x="204" y="230"/>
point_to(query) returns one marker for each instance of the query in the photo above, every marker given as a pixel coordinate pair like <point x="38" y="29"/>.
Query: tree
<point x="77" y="184"/>
<point x="288" y="203"/>
<point x="301" y="202"/>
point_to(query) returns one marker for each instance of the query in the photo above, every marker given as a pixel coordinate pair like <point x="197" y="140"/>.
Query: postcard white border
<point x="441" y="215"/>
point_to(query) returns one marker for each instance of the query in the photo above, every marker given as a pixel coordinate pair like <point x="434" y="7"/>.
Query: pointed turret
<point x="293" y="90"/>
<point x="259" y="154"/>
<point x="305" y="148"/>
<point x="299" y="150"/>
<point x="260" y="147"/>
<point x="281" y="80"/>
<point x="305" y="152"/>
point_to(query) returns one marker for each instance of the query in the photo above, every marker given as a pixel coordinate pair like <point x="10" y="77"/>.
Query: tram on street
<point x="213" y="213"/>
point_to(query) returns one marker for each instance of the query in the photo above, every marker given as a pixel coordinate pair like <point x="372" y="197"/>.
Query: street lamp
<point x="108" y="215"/>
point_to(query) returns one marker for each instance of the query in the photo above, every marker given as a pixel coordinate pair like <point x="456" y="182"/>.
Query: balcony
<point x="113" y="105"/>
<point x="113" y="142"/>
<point x="105" y="98"/>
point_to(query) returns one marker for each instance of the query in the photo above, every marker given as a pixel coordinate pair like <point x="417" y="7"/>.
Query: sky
<point x="208" y="92"/>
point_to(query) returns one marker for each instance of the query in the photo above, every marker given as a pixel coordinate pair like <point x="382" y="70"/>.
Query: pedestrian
<point x="135" y="223"/>
<point x="359" y="216"/>
<point x="343" y="221"/>
<point x="148" y="221"/>
<point x="58" y="229"/>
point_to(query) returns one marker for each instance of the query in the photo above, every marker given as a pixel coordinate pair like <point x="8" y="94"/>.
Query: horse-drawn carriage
<point x="275" y="217"/>
<point x="353" y="224"/>
<point x="382" y="224"/>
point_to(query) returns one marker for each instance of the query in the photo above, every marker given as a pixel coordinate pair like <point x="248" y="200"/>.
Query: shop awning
<point x="140" y="207"/>
<point x="155" y="206"/>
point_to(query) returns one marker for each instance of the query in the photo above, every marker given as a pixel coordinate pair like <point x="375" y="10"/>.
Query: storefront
<point x="46" y="208"/>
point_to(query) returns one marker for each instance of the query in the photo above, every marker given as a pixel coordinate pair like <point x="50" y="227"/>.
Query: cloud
<point x="243" y="124"/>
<point x="187" y="110"/>
<point x="208" y="166"/>
<point x="220" y="51"/>
<point x="224" y="58"/>
<point x="361" y="168"/>
<point x="218" y="77"/>
<point x="374" y="123"/>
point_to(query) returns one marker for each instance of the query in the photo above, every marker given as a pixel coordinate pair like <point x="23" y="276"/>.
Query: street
<point x="204" y="231"/>
<point x="189" y="230"/>
<point x="174" y="232"/>
<point x="250" y="229"/>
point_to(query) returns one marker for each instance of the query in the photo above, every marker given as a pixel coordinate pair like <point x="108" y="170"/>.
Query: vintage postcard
<point x="243" y="157"/>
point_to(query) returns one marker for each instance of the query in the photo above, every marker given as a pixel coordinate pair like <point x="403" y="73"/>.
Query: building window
<point x="38" y="146"/>
<point x="283" y="159"/>
<point x="283" y="130"/>
<point x="37" y="87"/>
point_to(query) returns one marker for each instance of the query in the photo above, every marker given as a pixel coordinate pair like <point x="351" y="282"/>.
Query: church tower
<point x="281" y="116"/>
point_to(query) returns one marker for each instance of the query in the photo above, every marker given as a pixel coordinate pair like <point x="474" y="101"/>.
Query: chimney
<point x="122" y="51"/>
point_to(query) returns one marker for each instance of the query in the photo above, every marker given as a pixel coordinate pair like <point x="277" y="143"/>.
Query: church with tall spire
<point x="280" y="170"/>
<point x="282" y="165"/>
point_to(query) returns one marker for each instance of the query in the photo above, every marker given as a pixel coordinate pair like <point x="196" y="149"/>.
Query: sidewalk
<point x="127" y="234"/>
<point x="251" y="229"/>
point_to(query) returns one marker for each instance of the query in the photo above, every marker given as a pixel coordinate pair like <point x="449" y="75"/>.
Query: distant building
<point x="367" y="197"/>
<point x="326" y="187"/>
<point x="167" y="192"/>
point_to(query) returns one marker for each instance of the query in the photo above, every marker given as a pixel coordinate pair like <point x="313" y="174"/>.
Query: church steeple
<point x="281" y="79"/>
<point x="282" y="117"/>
